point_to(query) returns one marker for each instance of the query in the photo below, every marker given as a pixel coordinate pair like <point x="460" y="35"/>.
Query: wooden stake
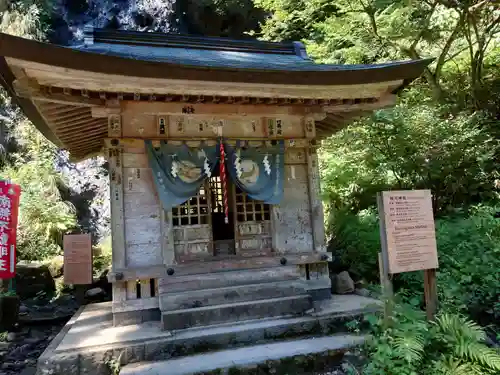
<point x="430" y="292"/>
<point x="387" y="290"/>
<point x="383" y="261"/>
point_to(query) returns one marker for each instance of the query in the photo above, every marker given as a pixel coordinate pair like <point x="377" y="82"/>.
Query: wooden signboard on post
<point x="409" y="238"/>
<point x="78" y="259"/>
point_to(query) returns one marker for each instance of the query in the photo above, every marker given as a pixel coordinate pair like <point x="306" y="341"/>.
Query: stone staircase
<point x="297" y="343"/>
<point x="232" y="297"/>
<point x="233" y="304"/>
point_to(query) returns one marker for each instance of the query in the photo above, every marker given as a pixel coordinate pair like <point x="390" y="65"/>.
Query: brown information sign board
<point x="77" y="259"/>
<point x="410" y="236"/>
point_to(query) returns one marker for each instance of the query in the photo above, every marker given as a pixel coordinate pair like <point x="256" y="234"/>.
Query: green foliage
<point x="469" y="258"/>
<point x="410" y="148"/>
<point x="102" y="255"/>
<point x="410" y="345"/>
<point x="43" y="215"/>
<point x="460" y="35"/>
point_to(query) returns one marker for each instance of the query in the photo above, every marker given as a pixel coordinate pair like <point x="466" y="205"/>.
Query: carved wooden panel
<point x="283" y="126"/>
<point x="245" y="229"/>
<point x="257" y="243"/>
<point x="194" y="233"/>
<point x="192" y="251"/>
<point x="207" y="126"/>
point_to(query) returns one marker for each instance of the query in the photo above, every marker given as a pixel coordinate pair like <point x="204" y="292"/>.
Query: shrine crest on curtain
<point x="179" y="171"/>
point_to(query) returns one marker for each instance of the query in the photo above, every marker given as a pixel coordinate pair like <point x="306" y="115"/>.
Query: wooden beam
<point x="80" y="127"/>
<point x="76" y="124"/>
<point x="34" y="93"/>
<point x="72" y="117"/>
<point x="169" y="108"/>
<point x="384" y="101"/>
<point x="105" y="111"/>
<point x="139" y="143"/>
<point x="89" y="135"/>
<point x="231" y="263"/>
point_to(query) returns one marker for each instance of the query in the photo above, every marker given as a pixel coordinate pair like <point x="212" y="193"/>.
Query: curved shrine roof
<point x="48" y="80"/>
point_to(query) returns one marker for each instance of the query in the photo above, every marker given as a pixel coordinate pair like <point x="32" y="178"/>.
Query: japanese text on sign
<point x="9" y="207"/>
<point x="77" y="259"/>
<point x="409" y="230"/>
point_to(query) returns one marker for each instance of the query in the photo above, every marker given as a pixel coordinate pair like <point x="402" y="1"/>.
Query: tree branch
<point x="425" y="27"/>
<point x="447" y="46"/>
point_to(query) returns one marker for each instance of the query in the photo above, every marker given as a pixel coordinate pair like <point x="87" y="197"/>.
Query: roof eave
<point x="48" y="54"/>
<point x="7" y="79"/>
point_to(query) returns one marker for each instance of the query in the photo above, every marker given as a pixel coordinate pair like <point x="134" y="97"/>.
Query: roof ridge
<point x="95" y="35"/>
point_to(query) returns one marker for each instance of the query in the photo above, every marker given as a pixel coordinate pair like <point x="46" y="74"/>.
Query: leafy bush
<point x="410" y="147"/>
<point x="43" y="215"/>
<point x="452" y="345"/>
<point x="102" y="256"/>
<point x="469" y="258"/>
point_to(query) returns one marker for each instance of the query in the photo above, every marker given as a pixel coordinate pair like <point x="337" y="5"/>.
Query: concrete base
<point x="89" y="344"/>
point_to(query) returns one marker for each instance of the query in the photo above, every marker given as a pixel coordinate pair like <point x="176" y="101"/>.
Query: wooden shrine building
<point x="211" y="143"/>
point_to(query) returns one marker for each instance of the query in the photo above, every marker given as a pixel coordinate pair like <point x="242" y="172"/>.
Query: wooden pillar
<point x="116" y="178"/>
<point x="167" y="237"/>
<point x="317" y="214"/>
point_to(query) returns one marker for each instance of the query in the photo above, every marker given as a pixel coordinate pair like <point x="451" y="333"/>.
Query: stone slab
<point x="89" y="340"/>
<point x="94" y="326"/>
<point x="243" y="357"/>
<point x="344" y="304"/>
<point x="221" y="296"/>
<point x="234" y="312"/>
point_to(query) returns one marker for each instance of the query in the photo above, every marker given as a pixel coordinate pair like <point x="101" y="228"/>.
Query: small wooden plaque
<point x="409" y="230"/>
<point x="77" y="259"/>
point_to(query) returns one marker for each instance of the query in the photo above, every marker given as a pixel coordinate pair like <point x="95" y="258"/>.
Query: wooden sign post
<point x="78" y="262"/>
<point x="408" y="238"/>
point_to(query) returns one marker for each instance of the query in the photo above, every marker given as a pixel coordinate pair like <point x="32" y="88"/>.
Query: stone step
<point x="233" y="294"/>
<point x="88" y="340"/>
<point x="234" y="312"/>
<point x="289" y="357"/>
<point x="173" y="284"/>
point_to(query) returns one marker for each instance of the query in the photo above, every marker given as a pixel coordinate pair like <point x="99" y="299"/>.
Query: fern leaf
<point x="478" y="353"/>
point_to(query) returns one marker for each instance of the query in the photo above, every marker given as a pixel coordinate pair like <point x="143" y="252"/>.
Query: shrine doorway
<point x="222" y="229"/>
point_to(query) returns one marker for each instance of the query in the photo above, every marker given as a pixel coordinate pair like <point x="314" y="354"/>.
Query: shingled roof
<point x="212" y="52"/>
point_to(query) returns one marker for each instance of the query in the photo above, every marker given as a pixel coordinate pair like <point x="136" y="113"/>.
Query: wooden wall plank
<point x="131" y="289"/>
<point x="292" y="218"/>
<point x="115" y="158"/>
<point x="317" y="214"/>
<point x="141" y="125"/>
<point x="145" y="288"/>
<point x="144" y="254"/>
<point x="167" y="237"/>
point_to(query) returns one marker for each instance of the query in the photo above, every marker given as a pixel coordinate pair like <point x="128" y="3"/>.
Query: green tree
<point x="410" y="148"/>
<point x="29" y="159"/>
<point x="459" y="32"/>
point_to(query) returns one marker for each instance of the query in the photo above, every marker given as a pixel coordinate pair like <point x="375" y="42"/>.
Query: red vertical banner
<point x="9" y="211"/>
